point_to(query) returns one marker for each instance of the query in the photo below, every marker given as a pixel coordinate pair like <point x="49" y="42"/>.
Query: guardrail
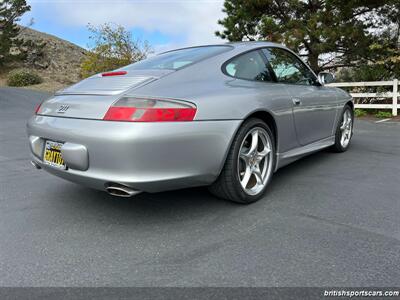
<point x="395" y="95"/>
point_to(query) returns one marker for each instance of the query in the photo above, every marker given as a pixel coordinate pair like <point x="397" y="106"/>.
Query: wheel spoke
<point x="344" y="123"/>
<point x="254" y="142"/>
<point x="246" y="177"/>
<point x="348" y="119"/>
<point x="342" y="139"/>
<point x="257" y="174"/>
<point x="245" y="156"/>
<point x="263" y="153"/>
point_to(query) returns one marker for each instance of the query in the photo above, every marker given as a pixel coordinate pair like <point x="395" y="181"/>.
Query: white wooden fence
<point x="395" y="95"/>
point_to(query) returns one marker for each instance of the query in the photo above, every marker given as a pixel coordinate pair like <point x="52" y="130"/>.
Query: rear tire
<point x="249" y="165"/>
<point x="344" y="130"/>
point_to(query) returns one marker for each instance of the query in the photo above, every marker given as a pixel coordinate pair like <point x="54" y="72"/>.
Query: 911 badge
<point x="62" y="109"/>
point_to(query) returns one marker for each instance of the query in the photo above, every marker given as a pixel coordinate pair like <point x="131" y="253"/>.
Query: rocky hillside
<point x="59" y="63"/>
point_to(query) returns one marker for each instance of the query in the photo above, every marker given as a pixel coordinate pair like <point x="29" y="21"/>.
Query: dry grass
<point x="48" y="85"/>
<point x="59" y="66"/>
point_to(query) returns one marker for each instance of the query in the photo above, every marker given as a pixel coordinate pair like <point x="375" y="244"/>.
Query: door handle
<point x="296" y="101"/>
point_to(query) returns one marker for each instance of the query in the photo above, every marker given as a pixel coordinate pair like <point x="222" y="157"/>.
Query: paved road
<point x="329" y="219"/>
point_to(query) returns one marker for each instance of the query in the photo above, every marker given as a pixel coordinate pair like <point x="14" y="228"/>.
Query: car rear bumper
<point x="147" y="157"/>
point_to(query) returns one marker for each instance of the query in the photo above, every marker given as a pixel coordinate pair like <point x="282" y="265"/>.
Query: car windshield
<point x="177" y="59"/>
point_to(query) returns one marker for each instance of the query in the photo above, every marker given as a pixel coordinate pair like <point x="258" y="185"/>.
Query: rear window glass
<point x="177" y="59"/>
<point x="250" y="66"/>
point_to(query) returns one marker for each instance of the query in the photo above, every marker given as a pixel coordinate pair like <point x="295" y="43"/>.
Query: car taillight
<point x="150" y="110"/>
<point x="114" y="73"/>
<point x="37" y="108"/>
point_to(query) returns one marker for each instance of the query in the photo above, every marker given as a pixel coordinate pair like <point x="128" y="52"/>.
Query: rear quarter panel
<point x="220" y="97"/>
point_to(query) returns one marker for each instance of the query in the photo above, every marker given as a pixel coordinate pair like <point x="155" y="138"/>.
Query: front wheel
<point x="249" y="165"/>
<point x="344" y="130"/>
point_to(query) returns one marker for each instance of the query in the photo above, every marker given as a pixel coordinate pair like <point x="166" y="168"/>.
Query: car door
<point x="314" y="106"/>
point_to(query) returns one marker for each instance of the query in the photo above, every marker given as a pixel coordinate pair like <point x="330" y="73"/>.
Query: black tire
<point x="228" y="186"/>
<point x="338" y="147"/>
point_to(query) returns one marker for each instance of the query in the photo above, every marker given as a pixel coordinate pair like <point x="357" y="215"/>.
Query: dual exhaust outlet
<point x="114" y="189"/>
<point x="119" y="190"/>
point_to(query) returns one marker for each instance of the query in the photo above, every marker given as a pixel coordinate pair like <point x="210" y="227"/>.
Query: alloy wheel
<point x="346" y="128"/>
<point x="255" y="161"/>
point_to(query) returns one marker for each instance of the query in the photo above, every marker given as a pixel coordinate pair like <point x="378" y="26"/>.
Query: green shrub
<point x="112" y="47"/>
<point x="383" y="114"/>
<point x="358" y="112"/>
<point x="23" y="77"/>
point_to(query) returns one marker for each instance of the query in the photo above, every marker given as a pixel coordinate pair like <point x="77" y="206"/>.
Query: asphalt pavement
<point x="327" y="220"/>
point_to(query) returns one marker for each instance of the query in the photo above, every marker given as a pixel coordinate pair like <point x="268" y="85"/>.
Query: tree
<point x="383" y="62"/>
<point x="329" y="33"/>
<point x="113" y="47"/>
<point x="10" y="44"/>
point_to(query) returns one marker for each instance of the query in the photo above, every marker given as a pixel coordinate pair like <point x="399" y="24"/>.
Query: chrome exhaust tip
<point x="120" y="190"/>
<point x="35" y="165"/>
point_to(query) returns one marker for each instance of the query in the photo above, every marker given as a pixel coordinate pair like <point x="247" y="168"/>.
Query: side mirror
<point x="325" y="78"/>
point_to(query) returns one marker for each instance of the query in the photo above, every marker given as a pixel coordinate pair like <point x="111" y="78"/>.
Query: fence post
<point x="395" y="96"/>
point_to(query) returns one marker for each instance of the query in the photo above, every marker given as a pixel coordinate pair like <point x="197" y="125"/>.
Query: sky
<point x="165" y="24"/>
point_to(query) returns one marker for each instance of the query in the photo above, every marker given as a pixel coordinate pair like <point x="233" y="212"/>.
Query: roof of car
<point x="243" y="44"/>
<point x="253" y="43"/>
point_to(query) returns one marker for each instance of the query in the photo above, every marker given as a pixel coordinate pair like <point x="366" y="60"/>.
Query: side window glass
<point x="288" y="68"/>
<point x="250" y="65"/>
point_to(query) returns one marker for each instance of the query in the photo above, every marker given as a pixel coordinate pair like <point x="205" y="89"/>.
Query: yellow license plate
<point x="52" y="155"/>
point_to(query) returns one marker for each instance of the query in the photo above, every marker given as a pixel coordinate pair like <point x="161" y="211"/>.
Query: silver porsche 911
<point x="224" y="116"/>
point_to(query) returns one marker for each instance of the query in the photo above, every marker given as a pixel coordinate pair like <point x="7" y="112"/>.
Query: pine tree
<point x="10" y="44"/>
<point x="329" y="33"/>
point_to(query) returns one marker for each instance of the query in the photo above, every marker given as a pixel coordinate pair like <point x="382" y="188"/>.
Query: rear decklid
<point x="91" y="98"/>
